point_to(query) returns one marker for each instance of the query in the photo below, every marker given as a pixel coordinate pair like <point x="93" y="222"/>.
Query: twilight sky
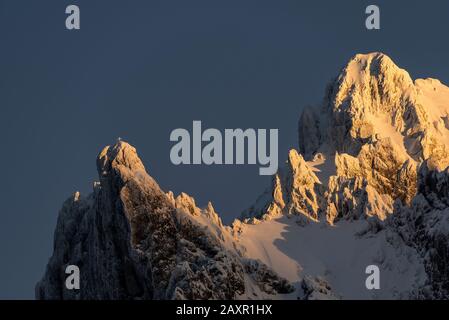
<point x="139" y="69"/>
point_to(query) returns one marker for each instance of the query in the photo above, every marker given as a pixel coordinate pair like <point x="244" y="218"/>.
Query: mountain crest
<point x="133" y="241"/>
<point x="362" y="148"/>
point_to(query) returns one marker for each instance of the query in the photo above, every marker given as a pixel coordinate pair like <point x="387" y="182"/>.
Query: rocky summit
<point x="367" y="185"/>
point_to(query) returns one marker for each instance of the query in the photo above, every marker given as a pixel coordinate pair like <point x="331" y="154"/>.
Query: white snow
<point x="434" y="97"/>
<point x="335" y="253"/>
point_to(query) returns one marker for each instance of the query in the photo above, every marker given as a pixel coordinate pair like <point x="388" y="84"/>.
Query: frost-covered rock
<point x="375" y="150"/>
<point x="425" y="226"/>
<point x="131" y="240"/>
<point x="373" y="130"/>
<point x="316" y="288"/>
<point x="367" y="185"/>
<point x="293" y="191"/>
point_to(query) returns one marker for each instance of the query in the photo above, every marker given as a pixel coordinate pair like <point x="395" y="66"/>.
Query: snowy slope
<point x="337" y="254"/>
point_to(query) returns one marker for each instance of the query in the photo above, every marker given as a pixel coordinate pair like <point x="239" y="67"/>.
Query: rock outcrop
<point x="362" y="148"/>
<point x="133" y="241"/>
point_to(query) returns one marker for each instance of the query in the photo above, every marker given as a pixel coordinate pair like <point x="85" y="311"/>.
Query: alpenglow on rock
<point x="368" y="185"/>
<point x="365" y="143"/>
<point x="371" y="160"/>
<point x="133" y="241"/>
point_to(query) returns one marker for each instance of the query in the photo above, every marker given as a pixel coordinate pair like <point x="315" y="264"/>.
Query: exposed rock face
<point x="293" y="192"/>
<point x="364" y="145"/>
<point x="373" y="99"/>
<point x="377" y="147"/>
<point x="133" y="241"/>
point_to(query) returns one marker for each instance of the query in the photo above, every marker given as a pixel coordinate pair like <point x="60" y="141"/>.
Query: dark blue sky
<point x="139" y="69"/>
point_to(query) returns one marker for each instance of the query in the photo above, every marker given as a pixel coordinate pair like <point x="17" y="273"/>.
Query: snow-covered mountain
<point x="131" y="240"/>
<point x="367" y="186"/>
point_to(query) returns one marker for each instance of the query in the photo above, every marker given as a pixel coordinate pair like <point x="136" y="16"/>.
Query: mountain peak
<point x="135" y="241"/>
<point x="371" y="83"/>
<point x="373" y="131"/>
<point x="373" y="99"/>
<point x="371" y="64"/>
<point x="120" y="154"/>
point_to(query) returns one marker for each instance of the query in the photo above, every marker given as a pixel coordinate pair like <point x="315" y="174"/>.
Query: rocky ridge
<point x="133" y="241"/>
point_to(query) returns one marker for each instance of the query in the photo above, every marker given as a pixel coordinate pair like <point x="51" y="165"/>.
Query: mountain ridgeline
<point x="368" y="185"/>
